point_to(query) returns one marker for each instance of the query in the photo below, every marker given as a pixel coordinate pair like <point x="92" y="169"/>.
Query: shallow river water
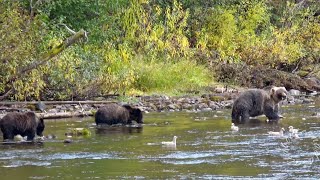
<point x="206" y="149"/>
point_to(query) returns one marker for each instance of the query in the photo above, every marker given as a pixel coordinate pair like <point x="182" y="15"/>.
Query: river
<point x="206" y="149"/>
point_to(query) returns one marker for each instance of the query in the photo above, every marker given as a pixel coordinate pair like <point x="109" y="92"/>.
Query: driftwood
<point x="53" y="102"/>
<point x="61" y="115"/>
<point x="51" y="115"/>
<point x="64" y="115"/>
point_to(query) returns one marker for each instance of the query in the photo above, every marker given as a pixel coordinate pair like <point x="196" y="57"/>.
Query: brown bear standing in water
<point x="256" y="102"/>
<point x="115" y="114"/>
<point x="24" y="124"/>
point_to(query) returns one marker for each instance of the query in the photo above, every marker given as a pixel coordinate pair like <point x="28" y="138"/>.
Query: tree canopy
<point x="143" y="46"/>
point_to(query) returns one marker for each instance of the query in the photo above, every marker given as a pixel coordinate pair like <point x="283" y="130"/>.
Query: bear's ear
<point x="128" y="107"/>
<point x="284" y="88"/>
<point x="273" y="90"/>
<point x="30" y="114"/>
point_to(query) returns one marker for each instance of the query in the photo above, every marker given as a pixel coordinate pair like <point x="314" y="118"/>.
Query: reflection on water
<point x="106" y="130"/>
<point x="206" y="149"/>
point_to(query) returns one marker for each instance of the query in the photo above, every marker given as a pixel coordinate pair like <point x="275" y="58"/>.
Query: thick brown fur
<point x="24" y="124"/>
<point x="256" y="102"/>
<point x="115" y="114"/>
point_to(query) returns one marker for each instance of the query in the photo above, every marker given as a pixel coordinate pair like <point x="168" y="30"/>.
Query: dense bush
<point x="141" y="46"/>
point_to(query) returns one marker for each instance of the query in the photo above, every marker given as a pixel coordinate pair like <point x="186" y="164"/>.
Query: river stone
<point x="152" y="106"/>
<point x="298" y="101"/>
<point x="313" y="93"/>
<point x="317" y="100"/>
<point x="167" y="103"/>
<point x="227" y="104"/>
<point x="307" y="100"/>
<point x="171" y="106"/>
<point x="202" y="106"/>
<point x="57" y="106"/>
<point x="67" y="141"/>
<point x="219" y="89"/>
<point x="183" y="100"/>
<point x="294" y="92"/>
<point x="53" y="110"/>
<point x="290" y="100"/>
<point x="187" y="106"/>
<point x="213" y="105"/>
<point x="206" y="109"/>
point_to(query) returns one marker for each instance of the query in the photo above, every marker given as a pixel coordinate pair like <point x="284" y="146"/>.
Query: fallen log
<point x="64" y="115"/>
<point x="60" y="115"/>
<point x="11" y="109"/>
<point x="53" y="102"/>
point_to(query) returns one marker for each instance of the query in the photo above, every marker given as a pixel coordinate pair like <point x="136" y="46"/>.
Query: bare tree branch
<point x="53" y="52"/>
<point x="70" y="30"/>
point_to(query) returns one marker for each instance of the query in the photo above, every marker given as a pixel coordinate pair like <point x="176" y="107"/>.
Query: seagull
<point x="20" y="138"/>
<point x="234" y="128"/>
<point x="280" y="133"/>
<point x="170" y="143"/>
<point x="292" y="130"/>
<point x="295" y="135"/>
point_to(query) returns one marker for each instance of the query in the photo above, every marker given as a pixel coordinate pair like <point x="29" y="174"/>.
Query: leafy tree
<point x="18" y="35"/>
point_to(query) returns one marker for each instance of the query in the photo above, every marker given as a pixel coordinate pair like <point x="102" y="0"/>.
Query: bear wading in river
<point x="115" y="114"/>
<point x="24" y="124"/>
<point x="256" y="102"/>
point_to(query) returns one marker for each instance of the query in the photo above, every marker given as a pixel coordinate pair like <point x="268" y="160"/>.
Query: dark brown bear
<point x="256" y="102"/>
<point x="115" y="114"/>
<point x="25" y="124"/>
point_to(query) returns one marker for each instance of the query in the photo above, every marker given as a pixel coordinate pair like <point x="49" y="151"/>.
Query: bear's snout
<point x="282" y="96"/>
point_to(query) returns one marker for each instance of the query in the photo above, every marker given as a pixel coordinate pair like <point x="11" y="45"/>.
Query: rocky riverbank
<point x="156" y="103"/>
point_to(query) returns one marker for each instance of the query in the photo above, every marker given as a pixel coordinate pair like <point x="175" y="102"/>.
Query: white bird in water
<point x="170" y="143"/>
<point x="295" y="136"/>
<point x="280" y="133"/>
<point x="20" y="138"/>
<point x="234" y="127"/>
<point x="292" y="130"/>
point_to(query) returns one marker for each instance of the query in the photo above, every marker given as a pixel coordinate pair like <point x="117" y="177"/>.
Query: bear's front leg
<point x="271" y="113"/>
<point x="7" y="134"/>
<point x="245" y="116"/>
<point x="31" y="136"/>
<point x="8" y="137"/>
<point x="277" y="110"/>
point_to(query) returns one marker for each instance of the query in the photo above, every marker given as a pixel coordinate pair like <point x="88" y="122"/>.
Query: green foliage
<point x="157" y="32"/>
<point x="140" y="46"/>
<point x="18" y="35"/>
<point x="219" y="33"/>
<point x="170" y="76"/>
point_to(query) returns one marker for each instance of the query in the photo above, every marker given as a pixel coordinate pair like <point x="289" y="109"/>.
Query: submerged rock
<point x="78" y="132"/>
<point x="67" y="141"/>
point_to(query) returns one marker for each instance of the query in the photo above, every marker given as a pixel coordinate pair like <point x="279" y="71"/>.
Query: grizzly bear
<point x="115" y="114"/>
<point x="256" y="102"/>
<point x="24" y="124"/>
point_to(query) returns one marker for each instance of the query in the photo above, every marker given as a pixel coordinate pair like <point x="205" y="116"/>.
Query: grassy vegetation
<point x="142" y="47"/>
<point x="171" y="76"/>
